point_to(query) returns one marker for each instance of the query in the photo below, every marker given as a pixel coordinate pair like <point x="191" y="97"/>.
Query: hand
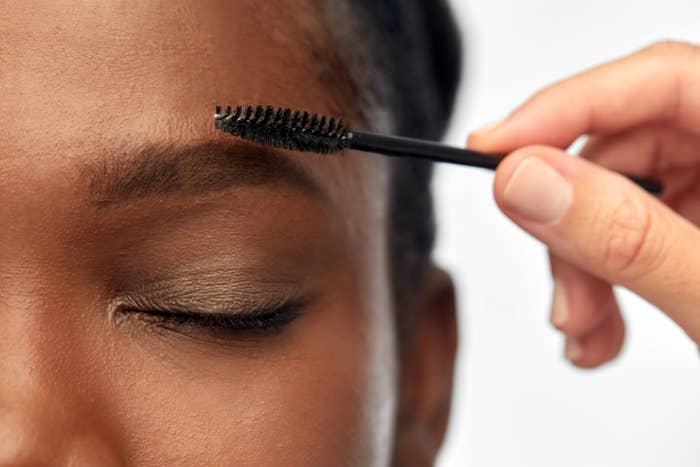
<point x="642" y="114"/>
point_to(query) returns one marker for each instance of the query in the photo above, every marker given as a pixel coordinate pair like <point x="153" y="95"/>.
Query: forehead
<point x="99" y="65"/>
<point x="78" y="81"/>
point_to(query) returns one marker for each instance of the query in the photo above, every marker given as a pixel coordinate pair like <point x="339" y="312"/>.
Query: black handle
<point x="398" y="146"/>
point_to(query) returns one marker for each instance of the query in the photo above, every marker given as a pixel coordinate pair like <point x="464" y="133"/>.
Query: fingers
<point x="671" y="155"/>
<point x="645" y="150"/>
<point x="604" y="224"/>
<point x="580" y="301"/>
<point x="582" y="308"/>
<point x="658" y="84"/>
<point x="644" y="111"/>
<point x="599" y="346"/>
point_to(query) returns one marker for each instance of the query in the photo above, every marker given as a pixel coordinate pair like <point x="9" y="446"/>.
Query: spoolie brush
<point x="301" y="131"/>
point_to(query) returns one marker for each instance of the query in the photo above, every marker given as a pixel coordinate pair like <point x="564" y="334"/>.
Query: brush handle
<point x="408" y="147"/>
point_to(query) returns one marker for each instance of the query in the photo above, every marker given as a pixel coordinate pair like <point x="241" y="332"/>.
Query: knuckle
<point x="668" y="47"/>
<point x="629" y="248"/>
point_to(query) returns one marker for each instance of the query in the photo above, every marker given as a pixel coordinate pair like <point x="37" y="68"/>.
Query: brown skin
<point x="85" y="382"/>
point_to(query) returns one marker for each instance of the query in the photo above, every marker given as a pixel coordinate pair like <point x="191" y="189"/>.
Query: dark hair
<point x="406" y="56"/>
<point x="403" y="61"/>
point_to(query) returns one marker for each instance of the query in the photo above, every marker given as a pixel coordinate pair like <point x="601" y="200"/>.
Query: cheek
<point x="323" y="393"/>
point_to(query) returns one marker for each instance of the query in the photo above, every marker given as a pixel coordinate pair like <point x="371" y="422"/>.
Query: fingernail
<point x="560" y="305"/>
<point x="538" y="192"/>
<point x="574" y="350"/>
<point x="488" y="128"/>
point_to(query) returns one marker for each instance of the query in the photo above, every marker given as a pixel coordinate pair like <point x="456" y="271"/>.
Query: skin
<point x="86" y="378"/>
<point x="642" y="113"/>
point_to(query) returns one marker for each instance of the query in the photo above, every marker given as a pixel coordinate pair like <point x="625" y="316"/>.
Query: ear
<point x="428" y="351"/>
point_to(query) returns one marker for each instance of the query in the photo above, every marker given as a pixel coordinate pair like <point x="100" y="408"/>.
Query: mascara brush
<point x="301" y="131"/>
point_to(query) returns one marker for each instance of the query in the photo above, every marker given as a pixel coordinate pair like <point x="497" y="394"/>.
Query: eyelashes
<point x="229" y="326"/>
<point x="261" y="320"/>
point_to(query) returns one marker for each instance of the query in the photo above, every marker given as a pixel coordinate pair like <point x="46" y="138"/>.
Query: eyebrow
<point x="136" y="172"/>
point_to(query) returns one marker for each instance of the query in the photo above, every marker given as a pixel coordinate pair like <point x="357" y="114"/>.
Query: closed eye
<point x="259" y="320"/>
<point x="218" y="326"/>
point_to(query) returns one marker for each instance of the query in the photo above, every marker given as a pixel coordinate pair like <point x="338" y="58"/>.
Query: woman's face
<point x="127" y="220"/>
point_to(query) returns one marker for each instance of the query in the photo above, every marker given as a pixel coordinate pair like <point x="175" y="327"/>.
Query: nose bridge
<point x="35" y="424"/>
<point x="52" y="402"/>
<point x="42" y="427"/>
<point x="49" y="392"/>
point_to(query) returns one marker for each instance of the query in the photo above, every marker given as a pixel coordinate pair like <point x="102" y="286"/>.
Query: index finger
<point x="658" y="84"/>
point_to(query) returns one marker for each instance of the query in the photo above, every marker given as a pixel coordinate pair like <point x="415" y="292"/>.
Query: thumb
<point x="606" y="225"/>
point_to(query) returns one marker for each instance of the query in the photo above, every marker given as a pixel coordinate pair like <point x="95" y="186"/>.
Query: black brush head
<point x="284" y="128"/>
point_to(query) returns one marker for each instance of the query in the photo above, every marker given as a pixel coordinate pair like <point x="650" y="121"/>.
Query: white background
<point x="518" y="402"/>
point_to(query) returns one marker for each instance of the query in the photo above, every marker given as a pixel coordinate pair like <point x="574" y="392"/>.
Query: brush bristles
<point x="284" y="128"/>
